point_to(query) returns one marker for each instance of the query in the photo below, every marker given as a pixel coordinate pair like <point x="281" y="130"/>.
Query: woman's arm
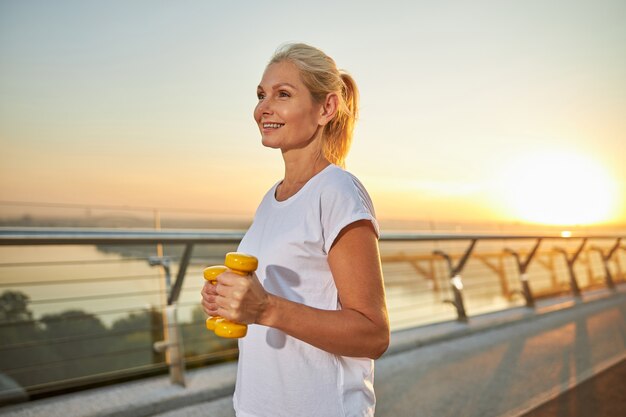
<point x="359" y="329"/>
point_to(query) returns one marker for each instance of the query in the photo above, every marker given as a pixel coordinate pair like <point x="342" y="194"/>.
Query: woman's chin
<point x="268" y="143"/>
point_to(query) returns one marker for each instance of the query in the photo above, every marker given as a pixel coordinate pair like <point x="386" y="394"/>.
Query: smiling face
<point x="286" y="114"/>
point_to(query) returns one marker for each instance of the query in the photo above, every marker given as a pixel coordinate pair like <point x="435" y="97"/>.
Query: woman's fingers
<point x="209" y="296"/>
<point x="229" y="290"/>
<point x="239" y="297"/>
<point x="224" y="297"/>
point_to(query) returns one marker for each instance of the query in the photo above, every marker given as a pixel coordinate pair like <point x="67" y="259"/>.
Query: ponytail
<point x="337" y="135"/>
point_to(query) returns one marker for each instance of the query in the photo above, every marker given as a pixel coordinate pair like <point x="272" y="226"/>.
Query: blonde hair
<point x="320" y="75"/>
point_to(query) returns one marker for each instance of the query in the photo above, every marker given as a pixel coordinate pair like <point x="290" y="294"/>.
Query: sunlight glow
<point x="559" y="188"/>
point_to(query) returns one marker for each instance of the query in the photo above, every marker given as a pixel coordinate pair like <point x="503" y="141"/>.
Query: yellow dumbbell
<point x="239" y="263"/>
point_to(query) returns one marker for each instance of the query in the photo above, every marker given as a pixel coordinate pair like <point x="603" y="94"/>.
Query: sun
<point x="558" y="188"/>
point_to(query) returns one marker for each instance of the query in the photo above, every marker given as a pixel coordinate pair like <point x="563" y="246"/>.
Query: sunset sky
<point x="496" y="111"/>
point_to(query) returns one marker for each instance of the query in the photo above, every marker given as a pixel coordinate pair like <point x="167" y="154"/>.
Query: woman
<point x="317" y="297"/>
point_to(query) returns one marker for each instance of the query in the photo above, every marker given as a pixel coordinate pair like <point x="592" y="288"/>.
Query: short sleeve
<point x="344" y="201"/>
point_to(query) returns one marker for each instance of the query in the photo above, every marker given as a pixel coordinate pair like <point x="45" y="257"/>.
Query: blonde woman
<point x="317" y="299"/>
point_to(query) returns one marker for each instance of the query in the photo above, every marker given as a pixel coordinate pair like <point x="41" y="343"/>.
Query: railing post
<point x="570" y="267"/>
<point x="456" y="282"/>
<point x="608" y="277"/>
<point x="173" y="347"/>
<point x="620" y="274"/>
<point x="173" y="343"/>
<point x="174" y="292"/>
<point x="522" y="267"/>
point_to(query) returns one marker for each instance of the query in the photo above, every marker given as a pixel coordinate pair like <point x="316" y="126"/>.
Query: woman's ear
<point x="329" y="108"/>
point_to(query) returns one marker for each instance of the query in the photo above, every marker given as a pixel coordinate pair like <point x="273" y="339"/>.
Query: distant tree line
<point x="58" y="348"/>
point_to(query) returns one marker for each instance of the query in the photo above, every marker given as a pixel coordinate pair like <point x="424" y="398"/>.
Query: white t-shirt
<point x="279" y="375"/>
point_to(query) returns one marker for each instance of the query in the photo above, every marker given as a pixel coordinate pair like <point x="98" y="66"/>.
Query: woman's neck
<point x="298" y="171"/>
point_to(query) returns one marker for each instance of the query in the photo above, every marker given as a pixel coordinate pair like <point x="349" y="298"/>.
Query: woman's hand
<point x="209" y="295"/>
<point x="238" y="298"/>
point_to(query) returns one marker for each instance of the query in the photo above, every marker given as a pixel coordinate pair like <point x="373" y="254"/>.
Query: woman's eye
<point x="283" y="94"/>
<point x="260" y="96"/>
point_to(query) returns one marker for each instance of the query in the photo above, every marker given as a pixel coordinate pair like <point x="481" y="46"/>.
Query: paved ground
<point x="601" y="396"/>
<point x="504" y="372"/>
<point x="500" y="365"/>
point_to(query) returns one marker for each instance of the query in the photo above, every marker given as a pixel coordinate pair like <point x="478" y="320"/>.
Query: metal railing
<point x="424" y="272"/>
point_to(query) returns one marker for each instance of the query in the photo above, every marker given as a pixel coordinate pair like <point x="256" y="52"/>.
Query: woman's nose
<point x="264" y="106"/>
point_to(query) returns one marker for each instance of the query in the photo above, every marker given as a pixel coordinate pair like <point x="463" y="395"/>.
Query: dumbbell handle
<point x="239" y="263"/>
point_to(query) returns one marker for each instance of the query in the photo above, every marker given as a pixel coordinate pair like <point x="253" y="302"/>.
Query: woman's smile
<point x="272" y="125"/>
